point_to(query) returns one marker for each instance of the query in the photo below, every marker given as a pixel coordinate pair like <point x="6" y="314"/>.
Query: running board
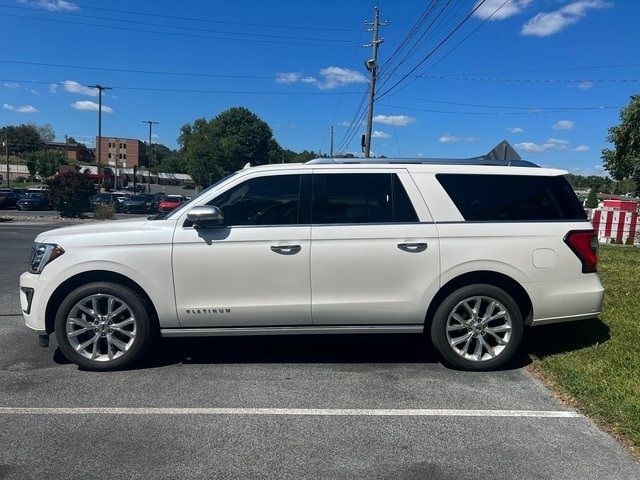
<point x="296" y="330"/>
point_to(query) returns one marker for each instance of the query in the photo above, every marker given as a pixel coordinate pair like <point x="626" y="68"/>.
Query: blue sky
<point x="299" y="66"/>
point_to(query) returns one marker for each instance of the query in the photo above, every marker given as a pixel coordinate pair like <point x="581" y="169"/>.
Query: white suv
<point x="469" y="252"/>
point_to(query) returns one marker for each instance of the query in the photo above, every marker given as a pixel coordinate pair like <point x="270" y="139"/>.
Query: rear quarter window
<point x="512" y="197"/>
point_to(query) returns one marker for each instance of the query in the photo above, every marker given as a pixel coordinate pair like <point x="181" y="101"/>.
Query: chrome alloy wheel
<point x="479" y="328"/>
<point x="101" y="327"/>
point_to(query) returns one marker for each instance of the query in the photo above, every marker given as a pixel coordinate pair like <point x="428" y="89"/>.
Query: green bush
<point x="104" y="212"/>
<point x="70" y="193"/>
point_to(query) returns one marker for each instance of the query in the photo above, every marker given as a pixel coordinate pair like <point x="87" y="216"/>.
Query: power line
<point x="179" y="27"/>
<point x="528" y="112"/>
<point x="188" y="90"/>
<point x="179" y="34"/>
<point x="435" y="49"/>
<point x="529" y="80"/>
<point x="206" y="20"/>
<point x="513" y="107"/>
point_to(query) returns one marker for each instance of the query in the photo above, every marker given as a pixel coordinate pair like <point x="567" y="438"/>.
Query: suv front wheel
<point x="477" y="327"/>
<point x="103" y="326"/>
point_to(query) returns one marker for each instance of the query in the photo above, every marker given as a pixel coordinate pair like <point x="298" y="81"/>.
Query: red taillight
<point x="584" y="243"/>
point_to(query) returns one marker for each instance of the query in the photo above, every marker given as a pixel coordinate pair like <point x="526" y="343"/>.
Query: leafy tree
<point x="45" y="132"/>
<point x="44" y="163"/>
<point x="70" y="192"/>
<point x="624" y="160"/>
<point x="592" y="199"/>
<point x="22" y="138"/>
<point x="224" y="144"/>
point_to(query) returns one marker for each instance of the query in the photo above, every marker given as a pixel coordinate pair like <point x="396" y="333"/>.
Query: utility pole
<point x="6" y="151"/>
<point x="115" y="158"/>
<point x="151" y="123"/>
<point x="331" y="143"/>
<point x="100" y="88"/>
<point x="372" y="66"/>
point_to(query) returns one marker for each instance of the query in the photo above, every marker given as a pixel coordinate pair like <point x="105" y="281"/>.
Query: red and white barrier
<point x="614" y="225"/>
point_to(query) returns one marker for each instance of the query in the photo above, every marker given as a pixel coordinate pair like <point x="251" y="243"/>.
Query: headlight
<point x="42" y="254"/>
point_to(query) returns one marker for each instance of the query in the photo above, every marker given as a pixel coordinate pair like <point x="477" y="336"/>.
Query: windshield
<point x="177" y="211"/>
<point x="138" y="198"/>
<point x="34" y="195"/>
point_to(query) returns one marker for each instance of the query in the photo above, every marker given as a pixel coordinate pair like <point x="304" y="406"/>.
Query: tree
<point x="45" y="132"/>
<point x="44" y="163"/>
<point x="592" y="199"/>
<point x="70" y="192"/>
<point x="22" y="138"/>
<point x="624" y="160"/>
<point x="224" y="144"/>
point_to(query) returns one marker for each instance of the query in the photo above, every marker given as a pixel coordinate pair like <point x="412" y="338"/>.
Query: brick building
<point x="127" y="152"/>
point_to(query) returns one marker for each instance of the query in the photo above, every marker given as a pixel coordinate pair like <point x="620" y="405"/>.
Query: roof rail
<point x="428" y="161"/>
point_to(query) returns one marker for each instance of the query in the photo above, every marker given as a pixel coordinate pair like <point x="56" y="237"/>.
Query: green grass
<point x="597" y="362"/>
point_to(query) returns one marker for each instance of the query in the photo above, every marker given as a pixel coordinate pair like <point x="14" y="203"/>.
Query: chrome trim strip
<point x="571" y="318"/>
<point x="291" y="330"/>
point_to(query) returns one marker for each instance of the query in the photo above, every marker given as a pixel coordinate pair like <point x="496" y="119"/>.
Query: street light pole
<point x="99" y="145"/>
<point x="151" y="123"/>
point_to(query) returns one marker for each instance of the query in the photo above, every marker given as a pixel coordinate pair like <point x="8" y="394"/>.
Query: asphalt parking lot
<point x="373" y="407"/>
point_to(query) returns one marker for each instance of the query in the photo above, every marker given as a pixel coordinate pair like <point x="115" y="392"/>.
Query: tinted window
<point x="272" y="200"/>
<point x="360" y="198"/>
<point x="403" y="211"/>
<point x="512" y="197"/>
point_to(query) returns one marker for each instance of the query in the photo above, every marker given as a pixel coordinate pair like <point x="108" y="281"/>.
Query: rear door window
<point x="348" y="198"/>
<point x="512" y="197"/>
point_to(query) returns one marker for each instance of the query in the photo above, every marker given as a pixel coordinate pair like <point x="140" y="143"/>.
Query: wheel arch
<point x="500" y="280"/>
<point x="83" y="278"/>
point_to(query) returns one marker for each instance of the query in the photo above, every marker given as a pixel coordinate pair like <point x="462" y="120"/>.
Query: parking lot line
<point x="357" y="412"/>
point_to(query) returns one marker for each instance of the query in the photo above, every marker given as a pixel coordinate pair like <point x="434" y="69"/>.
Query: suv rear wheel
<point x="103" y="326"/>
<point x="477" y="327"/>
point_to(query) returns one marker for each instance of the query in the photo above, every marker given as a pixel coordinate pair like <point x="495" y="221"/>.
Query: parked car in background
<point x="8" y="199"/>
<point x="189" y="185"/>
<point x="34" y="201"/>
<point x="39" y="188"/>
<point x="141" y="203"/>
<point x="139" y="187"/>
<point x="170" y="202"/>
<point x="103" y="199"/>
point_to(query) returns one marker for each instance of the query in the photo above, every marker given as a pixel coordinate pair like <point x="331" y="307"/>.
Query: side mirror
<point x="205" y="216"/>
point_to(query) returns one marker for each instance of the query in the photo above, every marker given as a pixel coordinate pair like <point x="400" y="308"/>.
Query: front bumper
<point x="32" y="301"/>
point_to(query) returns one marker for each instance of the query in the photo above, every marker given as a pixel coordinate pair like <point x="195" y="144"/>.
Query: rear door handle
<point x="286" y="249"/>
<point x="413" y="247"/>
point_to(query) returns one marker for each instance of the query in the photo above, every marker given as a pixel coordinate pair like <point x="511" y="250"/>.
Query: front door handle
<point x="413" y="247"/>
<point x="286" y="249"/>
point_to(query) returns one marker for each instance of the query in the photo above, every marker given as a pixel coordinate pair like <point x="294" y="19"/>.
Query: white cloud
<point x="515" y="130"/>
<point x="20" y="109"/>
<point x="330" y="77"/>
<point x="448" y="138"/>
<point x="545" y="24"/>
<point x="333" y="77"/>
<point x="507" y="10"/>
<point x="581" y="148"/>
<point x="344" y="123"/>
<point x="584" y="85"/>
<point x="397" y="120"/>
<point x="75" y="87"/>
<point x="380" y="134"/>
<point x="53" y="88"/>
<point x="563" y="125"/>
<point x="557" y="141"/>
<point x="90" y="106"/>
<point x="26" y="109"/>
<point x="288" y="77"/>
<point x="51" y="5"/>
<point x="11" y="85"/>
<point x="557" y="144"/>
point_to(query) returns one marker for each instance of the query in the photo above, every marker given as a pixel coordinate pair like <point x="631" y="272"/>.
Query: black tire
<point x="144" y="330"/>
<point x="446" y="308"/>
